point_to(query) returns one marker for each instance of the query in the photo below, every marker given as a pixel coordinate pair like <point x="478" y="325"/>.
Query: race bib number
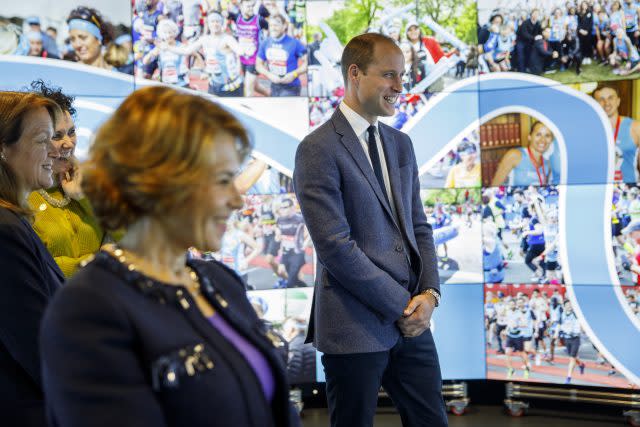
<point x="247" y="46"/>
<point x="147" y="32"/>
<point x="277" y="60"/>
<point x="213" y="66"/>
<point x="617" y="175"/>
<point x="170" y="73"/>
<point x="288" y="242"/>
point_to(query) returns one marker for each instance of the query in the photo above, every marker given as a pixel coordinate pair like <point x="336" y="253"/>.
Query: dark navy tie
<point x="375" y="159"/>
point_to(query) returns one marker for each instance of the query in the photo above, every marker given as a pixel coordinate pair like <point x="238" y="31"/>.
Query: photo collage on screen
<point x="533" y="333"/>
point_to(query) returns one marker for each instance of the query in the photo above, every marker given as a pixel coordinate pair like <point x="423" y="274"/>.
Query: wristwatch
<point x="433" y="292"/>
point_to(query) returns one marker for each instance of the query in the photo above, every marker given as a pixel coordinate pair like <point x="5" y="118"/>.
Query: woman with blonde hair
<point x="30" y="276"/>
<point x="141" y="336"/>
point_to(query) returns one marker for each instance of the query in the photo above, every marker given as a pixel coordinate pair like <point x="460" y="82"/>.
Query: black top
<point x="585" y="22"/>
<point x="121" y="349"/>
<point x="528" y="31"/>
<point x="29" y="277"/>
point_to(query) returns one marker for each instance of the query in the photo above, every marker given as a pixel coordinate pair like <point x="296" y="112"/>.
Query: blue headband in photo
<point x="81" y="24"/>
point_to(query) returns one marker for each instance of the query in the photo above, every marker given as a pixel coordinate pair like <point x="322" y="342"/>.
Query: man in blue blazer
<point x="377" y="280"/>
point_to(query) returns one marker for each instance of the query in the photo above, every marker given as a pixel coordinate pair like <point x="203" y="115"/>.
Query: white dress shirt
<point x="360" y="125"/>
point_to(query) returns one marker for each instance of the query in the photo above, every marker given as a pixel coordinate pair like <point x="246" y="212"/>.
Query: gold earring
<point x="2" y="157"/>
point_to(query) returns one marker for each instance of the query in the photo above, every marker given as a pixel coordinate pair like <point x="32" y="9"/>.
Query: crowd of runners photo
<point x="520" y="235"/>
<point x="267" y="244"/>
<point x="534" y="334"/>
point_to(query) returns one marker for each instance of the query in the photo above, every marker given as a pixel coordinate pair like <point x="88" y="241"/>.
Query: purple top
<point x="257" y="361"/>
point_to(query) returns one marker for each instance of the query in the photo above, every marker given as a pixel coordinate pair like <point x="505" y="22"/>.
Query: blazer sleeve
<point x="316" y="180"/>
<point x="23" y="296"/>
<point x="89" y="366"/>
<point x="424" y="235"/>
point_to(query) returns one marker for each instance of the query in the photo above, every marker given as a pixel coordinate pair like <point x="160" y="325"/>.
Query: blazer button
<point x="398" y="248"/>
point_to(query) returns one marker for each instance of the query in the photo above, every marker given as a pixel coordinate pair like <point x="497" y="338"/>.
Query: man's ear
<point x="353" y="73"/>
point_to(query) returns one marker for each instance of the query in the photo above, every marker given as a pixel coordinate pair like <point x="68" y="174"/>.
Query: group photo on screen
<point x="95" y="33"/>
<point x="534" y="334"/>
<point x="454" y="216"/>
<point x="565" y="41"/>
<point x="520" y="236"/>
<point x="286" y="313"/>
<point x="438" y="40"/>
<point x="267" y="244"/>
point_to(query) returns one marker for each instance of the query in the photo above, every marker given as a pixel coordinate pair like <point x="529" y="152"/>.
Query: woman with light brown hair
<point x="30" y="276"/>
<point x="144" y="335"/>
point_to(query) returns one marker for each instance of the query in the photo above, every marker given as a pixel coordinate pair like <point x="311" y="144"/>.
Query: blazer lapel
<point x="391" y="155"/>
<point x="351" y="142"/>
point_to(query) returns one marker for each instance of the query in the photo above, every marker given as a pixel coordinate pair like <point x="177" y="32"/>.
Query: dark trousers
<point x="293" y="262"/>
<point x="522" y="55"/>
<point x="409" y="372"/>
<point x="532" y="252"/>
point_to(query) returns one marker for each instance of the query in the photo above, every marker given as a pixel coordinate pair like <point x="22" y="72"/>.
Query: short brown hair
<point x="148" y="157"/>
<point x="14" y="107"/>
<point x="359" y="51"/>
<point x="605" y="85"/>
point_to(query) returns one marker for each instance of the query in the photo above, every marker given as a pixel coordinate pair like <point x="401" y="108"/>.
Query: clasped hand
<point x="416" y="317"/>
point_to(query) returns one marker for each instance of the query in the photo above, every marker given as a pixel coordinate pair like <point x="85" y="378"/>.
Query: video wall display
<point x="528" y="159"/>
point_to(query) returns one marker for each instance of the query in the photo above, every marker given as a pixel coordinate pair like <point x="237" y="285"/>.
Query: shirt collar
<point x="358" y="123"/>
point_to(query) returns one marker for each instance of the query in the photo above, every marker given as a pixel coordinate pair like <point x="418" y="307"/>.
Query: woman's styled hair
<point x="54" y="93"/>
<point x="14" y="107"/>
<point x="148" y="158"/>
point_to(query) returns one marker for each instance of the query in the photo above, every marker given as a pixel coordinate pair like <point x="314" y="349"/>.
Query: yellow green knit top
<point x="70" y="233"/>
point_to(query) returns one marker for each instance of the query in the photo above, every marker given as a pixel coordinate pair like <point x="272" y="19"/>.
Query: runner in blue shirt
<point x="282" y="59"/>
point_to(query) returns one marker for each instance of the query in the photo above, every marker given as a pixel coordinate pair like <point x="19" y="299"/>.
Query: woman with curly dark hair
<point x="63" y="217"/>
<point x="89" y="33"/>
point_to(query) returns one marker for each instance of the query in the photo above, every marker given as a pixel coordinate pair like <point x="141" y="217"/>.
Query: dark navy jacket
<point x="120" y="349"/>
<point x="29" y="276"/>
